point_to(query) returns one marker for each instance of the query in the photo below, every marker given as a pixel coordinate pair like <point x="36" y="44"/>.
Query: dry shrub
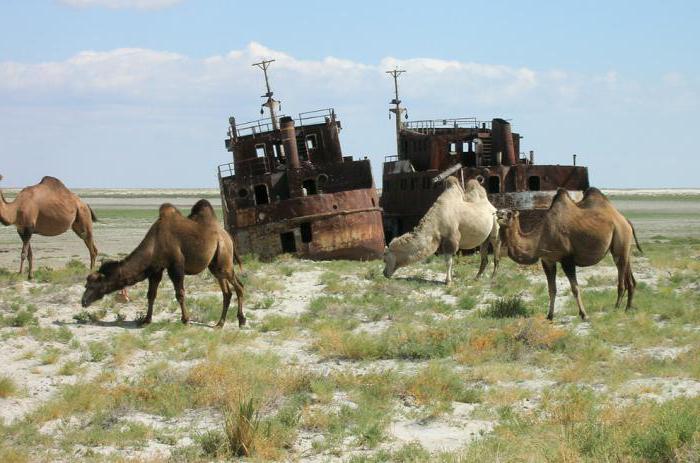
<point x="536" y="332"/>
<point x="219" y="379"/>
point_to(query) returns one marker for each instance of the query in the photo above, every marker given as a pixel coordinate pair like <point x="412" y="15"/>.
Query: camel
<point x="182" y="246"/>
<point x="48" y="209"/>
<point x="459" y="219"/>
<point x="574" y="234"/>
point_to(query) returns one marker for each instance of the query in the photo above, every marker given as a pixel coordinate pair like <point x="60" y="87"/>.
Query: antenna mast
<point x="271" y="104"/>
<point x="397" y="109"/>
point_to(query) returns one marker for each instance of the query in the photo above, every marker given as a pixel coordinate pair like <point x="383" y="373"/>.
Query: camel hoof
<point x="550" y="317"/>
<point x="219" y="325"/>
<point x="241" y="322"/>
<point x="144" y="321"/>
<point x="185" y="321"/>
<point x="584" y="317"/>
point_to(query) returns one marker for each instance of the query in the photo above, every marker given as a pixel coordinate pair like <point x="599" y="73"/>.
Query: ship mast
<point x="397" y="109"/>
<point x="271" y="104"/>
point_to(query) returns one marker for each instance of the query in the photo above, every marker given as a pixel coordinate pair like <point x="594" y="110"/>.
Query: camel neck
<point x="7" y="210"/>
<point x="133" y="268"/>
<point x="522" y="247"/>
<point x="416" y="246"/>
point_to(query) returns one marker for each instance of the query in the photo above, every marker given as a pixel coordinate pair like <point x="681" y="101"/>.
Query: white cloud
<point x="122" y="4"/>
<point x="129" y="106"/>
<point x="146" y="77"/>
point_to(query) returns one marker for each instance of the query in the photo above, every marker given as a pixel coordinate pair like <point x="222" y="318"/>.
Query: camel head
<point x="389" y="262"/>
<point x="506" y="217"/>
<point x="104" y="281"/>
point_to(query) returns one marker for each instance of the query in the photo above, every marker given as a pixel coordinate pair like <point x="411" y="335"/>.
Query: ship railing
<point x="265" y="125"/>
<point x="255" y="127"/>
<point x="430" y="125"/>
<point x="315" y="117"/>
<point x="391" y="158"/>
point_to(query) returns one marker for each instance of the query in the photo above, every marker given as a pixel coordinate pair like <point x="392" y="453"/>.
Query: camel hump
<point x="473" y="190"/>
<point x="561" y="197"/>
<point x="202" y="208"/>
<point x="167" y="210"/>
<point x="48" y="180"/>
<point x="593" y="192"/>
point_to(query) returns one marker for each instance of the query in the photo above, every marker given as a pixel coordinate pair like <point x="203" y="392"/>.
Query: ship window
<point x="261" y="196"/>
<point x="404" y="183"/>
<point x="279" y="151"/>
<point x="533" y="183"/>
<point x="260" y="150"/>
<point x="243" y="192"/>
<point x="373" y="203"/>
<point x="426" y="183"/>
<point x="310" y="186"/>
<point x="311" y="142"/>
<point x="465" y="147"/>
<point x="453" y="148"/>
<point x="494" y="184"/>
<point x="306" y="235"/>
<point x="288" y="242"/>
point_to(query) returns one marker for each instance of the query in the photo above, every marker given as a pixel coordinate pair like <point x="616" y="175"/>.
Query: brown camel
<point x="575" y="234"/>
<point x="182" y="246"/>
<point x="49" y="209"/>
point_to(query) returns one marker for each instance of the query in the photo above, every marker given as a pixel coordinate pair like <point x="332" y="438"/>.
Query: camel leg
<point x="484" y="254"/>
<point x="570" y="271"/>
<point x="550" y="270"/>
<point x="153" y="282"/>
<point x="496" y="245"/>
<point x="83" y="228"/>
<point x="26" y="253"/>
<point x="630" y="283"/>
<point x="177" y="276"/>
<point x="226" y="293"/>
<point x="621" y="274"/>
<point x="449" y="260"/>
<point x="238" y="287"/>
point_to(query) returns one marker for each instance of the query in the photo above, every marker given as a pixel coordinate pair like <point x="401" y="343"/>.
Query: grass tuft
<point x="507" y="307"/>
<point x="7" y="387"/>
<point x="241" y="426"/>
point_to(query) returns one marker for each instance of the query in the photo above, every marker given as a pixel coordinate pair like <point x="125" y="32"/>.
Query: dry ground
<point x="340" y="364"/>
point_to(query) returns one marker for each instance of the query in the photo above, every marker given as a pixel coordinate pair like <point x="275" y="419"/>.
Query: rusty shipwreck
<point x="489" y="151"/>
<point x="290" y="189"/>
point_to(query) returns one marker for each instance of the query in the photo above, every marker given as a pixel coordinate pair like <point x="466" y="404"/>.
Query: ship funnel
<point x="503" y="140"/>
<point x="289" y="141"/>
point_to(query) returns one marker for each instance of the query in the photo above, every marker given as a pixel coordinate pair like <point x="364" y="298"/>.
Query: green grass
<point x="507" y="307"/>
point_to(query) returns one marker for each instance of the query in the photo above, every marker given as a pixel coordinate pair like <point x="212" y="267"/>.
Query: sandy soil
<point x="449" y="432"/>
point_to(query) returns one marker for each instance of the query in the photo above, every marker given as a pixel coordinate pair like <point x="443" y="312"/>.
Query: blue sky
<point x="136" y="93"/>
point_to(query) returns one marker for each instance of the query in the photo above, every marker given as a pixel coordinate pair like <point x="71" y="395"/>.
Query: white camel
<point x="459" y="219"/>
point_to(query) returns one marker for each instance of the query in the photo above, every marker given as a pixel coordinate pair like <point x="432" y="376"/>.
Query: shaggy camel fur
<point x="575" y="234"/>
<point x="182" y="246"/>
<point x="459" y="219"/>
<point x="49" y="209"/>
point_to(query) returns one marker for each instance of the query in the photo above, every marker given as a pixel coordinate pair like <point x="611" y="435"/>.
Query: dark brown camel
<point x="48" y="209"/>
<point x="182" y="246"/>
<point x="574" y="234"/>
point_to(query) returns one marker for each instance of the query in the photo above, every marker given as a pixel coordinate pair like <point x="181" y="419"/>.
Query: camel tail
<point x="634" y="233"/>
<point x="92" y="215"/>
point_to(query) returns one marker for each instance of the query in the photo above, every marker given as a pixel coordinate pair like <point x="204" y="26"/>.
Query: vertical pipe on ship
<point x="503" y="140"/>
<point x="289" y="141"/>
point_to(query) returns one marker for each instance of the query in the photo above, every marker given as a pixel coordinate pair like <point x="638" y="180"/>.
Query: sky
<point x="137" y="93"/>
